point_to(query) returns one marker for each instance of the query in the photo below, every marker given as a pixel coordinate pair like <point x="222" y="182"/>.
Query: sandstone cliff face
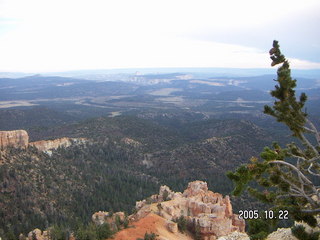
<point x="20" y="139"/>
<point x="16" y="138"/>
<point x="47" y="145"/>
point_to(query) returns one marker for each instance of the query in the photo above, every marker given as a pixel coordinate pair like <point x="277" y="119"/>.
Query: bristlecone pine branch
<point x="290" y="175"/>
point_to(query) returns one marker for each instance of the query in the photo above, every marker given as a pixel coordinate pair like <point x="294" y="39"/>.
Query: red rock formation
<point x="16" y="138"/>
<point x="211" y="211"/>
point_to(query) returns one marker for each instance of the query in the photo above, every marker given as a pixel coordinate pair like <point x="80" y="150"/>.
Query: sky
<point x="62" y="35"/>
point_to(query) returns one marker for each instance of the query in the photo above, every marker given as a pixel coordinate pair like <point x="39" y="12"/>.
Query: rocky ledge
<point x="49" y="145"/>
<point x="20" y="139"/>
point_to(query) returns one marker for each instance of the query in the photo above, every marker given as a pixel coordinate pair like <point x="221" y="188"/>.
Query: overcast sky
<point x="58" y="35"/>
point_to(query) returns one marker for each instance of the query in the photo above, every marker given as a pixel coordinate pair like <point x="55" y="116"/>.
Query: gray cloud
<point x="299" y="36"/>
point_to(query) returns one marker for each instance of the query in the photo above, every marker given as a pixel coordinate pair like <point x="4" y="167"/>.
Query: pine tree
<point x="290" y="175"/>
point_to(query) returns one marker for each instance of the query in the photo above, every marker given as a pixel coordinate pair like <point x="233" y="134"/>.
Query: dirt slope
<point x="152" y="223"/>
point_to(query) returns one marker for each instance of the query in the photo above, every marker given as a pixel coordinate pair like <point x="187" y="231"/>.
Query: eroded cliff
<point x="16" y="138"/>
<point x="20" y="139"/>
<point x="48" y="145"/>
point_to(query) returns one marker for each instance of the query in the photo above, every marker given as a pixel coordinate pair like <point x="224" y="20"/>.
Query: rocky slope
<point x="153" y="223"/>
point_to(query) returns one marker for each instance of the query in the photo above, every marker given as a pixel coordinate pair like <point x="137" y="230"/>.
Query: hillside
<point x="118" y="158"/>
<point x="37" y="117"/>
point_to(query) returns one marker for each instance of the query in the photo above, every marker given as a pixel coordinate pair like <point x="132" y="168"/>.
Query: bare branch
<point x="315" y="130"/>
<point x="306" y="141"/>
<point x="309" y="170"/>
<point x="284" y="196"/>
<point x="294" y="189"/>
<point x="311" y="210"/>
<point x="308" y="130"/>
<point x="300" y="191"/>
<point x="294" y="168"/>
<point x="313" y="159"/>
<point x="301" y="157"/>
<point x="305" y="159"/>
<point x="292" y="195"/>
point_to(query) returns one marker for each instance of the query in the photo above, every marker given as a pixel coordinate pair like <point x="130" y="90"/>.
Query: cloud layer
<point x="43" y="35"/>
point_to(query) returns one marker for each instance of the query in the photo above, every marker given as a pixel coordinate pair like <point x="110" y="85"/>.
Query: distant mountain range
<point x="217" y="72"/>
<point x="141" y="93"/>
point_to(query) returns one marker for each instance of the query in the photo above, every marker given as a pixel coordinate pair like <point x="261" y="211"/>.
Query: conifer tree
<point x="288" y="177"/>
